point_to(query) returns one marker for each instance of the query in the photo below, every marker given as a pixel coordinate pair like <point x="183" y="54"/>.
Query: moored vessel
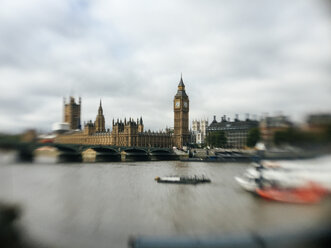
<point x="182" y="179"/>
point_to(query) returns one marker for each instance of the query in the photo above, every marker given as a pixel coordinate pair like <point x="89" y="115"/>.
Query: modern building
<point x="199" y="129"/>
<point x="130" y="132"/>
<point x="235" y="131"/>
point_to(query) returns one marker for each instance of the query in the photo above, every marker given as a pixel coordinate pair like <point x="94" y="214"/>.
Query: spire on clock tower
<point x="181" y="88"/>
<point x="181" y="83"/>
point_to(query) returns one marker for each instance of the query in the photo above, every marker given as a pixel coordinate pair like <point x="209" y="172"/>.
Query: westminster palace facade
<point x="128" y="133"/>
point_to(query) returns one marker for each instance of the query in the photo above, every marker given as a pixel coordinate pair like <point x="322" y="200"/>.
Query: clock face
<point x="177" y="104"/>
<point x="185" y="104"/>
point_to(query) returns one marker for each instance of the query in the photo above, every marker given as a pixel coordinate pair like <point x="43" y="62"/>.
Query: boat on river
<point x="290" y="185"/>
<point x="312" y="193"/>
<point x="290" y="178"/>
<point x="251" y="184"/>
<point x="248" y="184"/>
<point x="182" y="179"/>
<point x="309" y="194"/>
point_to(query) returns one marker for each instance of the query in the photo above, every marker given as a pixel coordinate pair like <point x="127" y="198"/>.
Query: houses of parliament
<point x="127" y="132"/>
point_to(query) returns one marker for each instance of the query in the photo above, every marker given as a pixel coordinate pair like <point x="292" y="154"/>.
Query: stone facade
<point x="100" y="121"/>
<point x="124" y="133"/>
<point x="72" y="113"/>
<point x="129" y="133"/>
<point x="181" y="117"/>
<point x="199" y="131"/>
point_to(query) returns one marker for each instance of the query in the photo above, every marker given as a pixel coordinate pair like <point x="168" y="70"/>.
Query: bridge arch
<point x="100" y="154"/>
<point x="61" y="152"/>
<point x="135" y="154"/>
<point x="65" y="149"/>
<point x="135" y="150"/>
<point x="101" y="149"/>
<point x="161" y="151"/>
<point x="162" y="154"/>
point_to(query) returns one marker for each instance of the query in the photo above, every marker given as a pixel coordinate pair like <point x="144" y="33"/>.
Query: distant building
<point x="29" y="136"/>
<point x="129" y="132"/>
<point x="318" y="122"/>
<point x="235" y="131"/>
<point x="72" y="113"/>
<point x="124" y="133"/>
<point x="100" y="121"/>
<point x="181" y="116"/>
<point x="199" y="129"/>
<point x="270" y="125"/>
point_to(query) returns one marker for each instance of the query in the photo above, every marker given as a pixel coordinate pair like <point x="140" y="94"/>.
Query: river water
<point x="103" y="204"/>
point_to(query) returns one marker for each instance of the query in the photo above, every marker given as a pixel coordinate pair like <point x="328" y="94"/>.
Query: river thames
<point x="103" y="204"/>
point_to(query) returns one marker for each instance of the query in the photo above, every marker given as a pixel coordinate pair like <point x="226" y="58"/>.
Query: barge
<point x="182" y="179"/>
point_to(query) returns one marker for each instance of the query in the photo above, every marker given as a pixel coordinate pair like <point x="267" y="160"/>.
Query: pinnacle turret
<point x="100" y="111"/>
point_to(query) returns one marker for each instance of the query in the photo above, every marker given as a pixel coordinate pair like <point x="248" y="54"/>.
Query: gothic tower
<point x="181" y="118"/>
<point x="140" y="125"/>
<point x="72" y="113"/>
<point x="100" y="121"/>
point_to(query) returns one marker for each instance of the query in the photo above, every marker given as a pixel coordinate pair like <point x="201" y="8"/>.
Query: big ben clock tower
<point x="181" y="110"/>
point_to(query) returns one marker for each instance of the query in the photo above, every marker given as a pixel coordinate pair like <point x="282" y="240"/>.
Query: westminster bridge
<point x="94" y="153"/>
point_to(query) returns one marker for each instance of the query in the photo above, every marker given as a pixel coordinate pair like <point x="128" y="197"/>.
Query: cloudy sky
<point x="236" y="57"/>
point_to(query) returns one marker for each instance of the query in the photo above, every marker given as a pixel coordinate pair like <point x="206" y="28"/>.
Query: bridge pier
<point x="91" y="155"/>
<point x="132" y="156"/>
<point x="25" y="153"/>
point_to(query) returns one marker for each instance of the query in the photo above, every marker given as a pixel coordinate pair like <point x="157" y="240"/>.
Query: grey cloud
<point x="236" y="57"/>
